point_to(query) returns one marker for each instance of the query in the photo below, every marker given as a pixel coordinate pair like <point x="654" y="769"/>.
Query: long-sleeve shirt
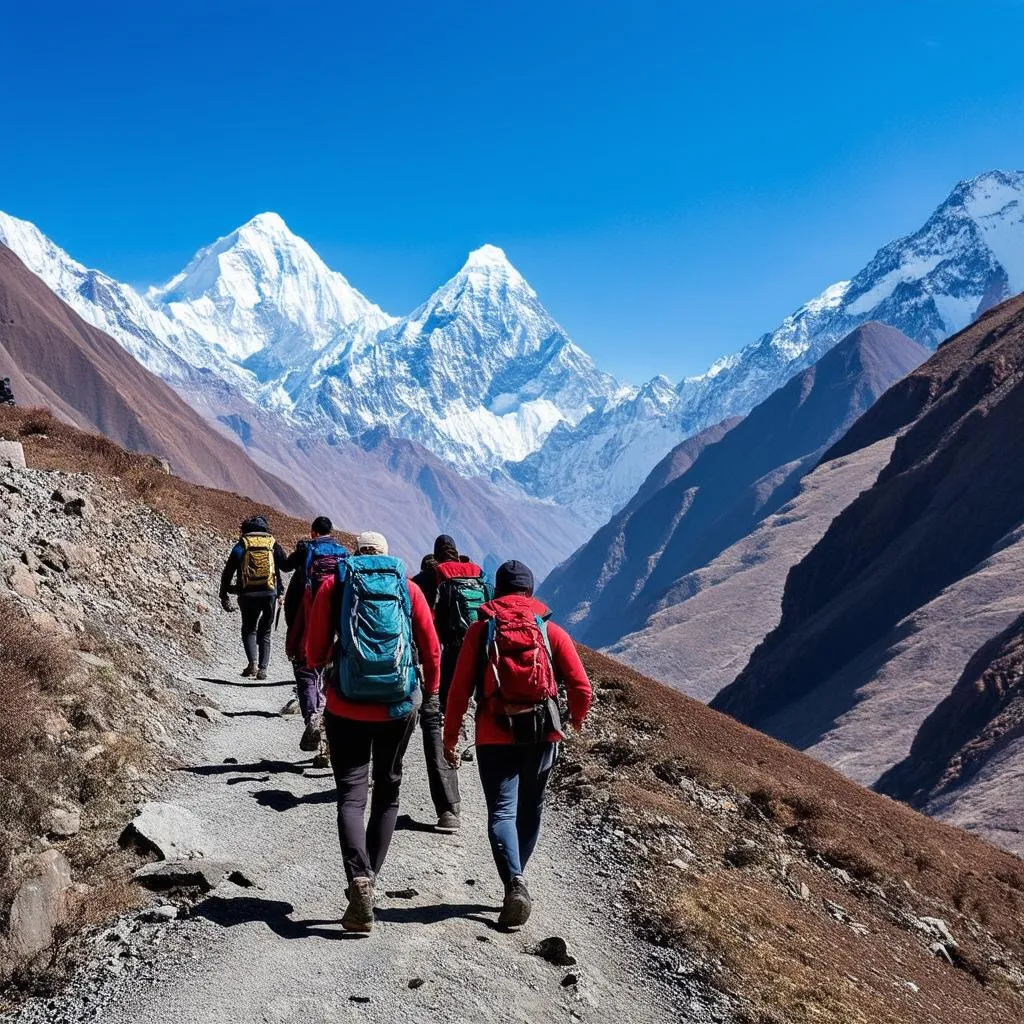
<point x="568" y="668"/>
<point x="321" y="637"/>
<point x="229" y="583"/>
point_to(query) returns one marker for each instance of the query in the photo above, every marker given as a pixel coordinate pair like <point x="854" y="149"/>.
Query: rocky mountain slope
<point x="629" y="570"/>
<point x="882" y="616"/>
<point x="54" y="358"/>
<point x="697" y="869"/>
<point x="481" y="374"/>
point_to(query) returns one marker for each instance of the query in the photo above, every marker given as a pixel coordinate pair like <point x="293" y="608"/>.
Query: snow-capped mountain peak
<point x="261" y="291"/>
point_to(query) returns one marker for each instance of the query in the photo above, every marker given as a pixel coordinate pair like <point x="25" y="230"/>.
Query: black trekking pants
<point x="355" y="746"/>
<point x="257" y="625"/>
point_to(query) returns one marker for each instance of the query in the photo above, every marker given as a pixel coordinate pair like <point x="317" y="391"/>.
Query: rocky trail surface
<point x="269" y="946"/>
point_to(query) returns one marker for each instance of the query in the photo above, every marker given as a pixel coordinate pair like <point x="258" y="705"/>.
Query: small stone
<point x="80" y="506"/>
<point x="937" y="928"/>
<point x="291" y="708"/>
<point x="939" y="950"/>
<point x="468" y="755"/>
<point x="417" y="982"/>
<point x="679" y="865"/>
<point x="401" y="894"/>
<point x="197" y="627"/>
<point x="162" y="914"/>
<point x="198" y="873"/>
<point x="803" y="891"/>
<point x="570" y="980"/>
<point x="358" y="999"/>
<point x="12" y="454"/>
<point x="61" y="823"/>
<point x="210" y="714"/>
<point x="554" y="950"/>
<point x="165" y="829"/>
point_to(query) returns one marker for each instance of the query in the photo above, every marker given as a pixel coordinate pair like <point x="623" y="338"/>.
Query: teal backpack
<point x="376" y="660"/>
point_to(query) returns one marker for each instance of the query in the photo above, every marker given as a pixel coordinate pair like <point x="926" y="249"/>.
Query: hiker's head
<point x="429" y="562"/>
<point x="513" y="578"/>
<point x="321" y="527"/>
<point x="371" y="543"/>
<point x="255" y="524"/>
<point x="445" y="549"/>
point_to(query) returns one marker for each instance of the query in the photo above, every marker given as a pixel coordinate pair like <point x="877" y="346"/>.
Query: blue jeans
<point x="514" y="779"/>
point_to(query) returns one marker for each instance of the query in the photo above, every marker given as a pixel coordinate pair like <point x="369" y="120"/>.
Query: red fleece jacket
<point x="569" y="671"/>
<point x="322" y="635"/>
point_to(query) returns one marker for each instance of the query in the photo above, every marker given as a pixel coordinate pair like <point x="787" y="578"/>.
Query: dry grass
<point x="786" y="958"/>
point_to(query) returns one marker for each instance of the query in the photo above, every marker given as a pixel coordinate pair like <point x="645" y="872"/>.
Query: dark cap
<point x="513" y="578"/>
<point x="445" y="549"/>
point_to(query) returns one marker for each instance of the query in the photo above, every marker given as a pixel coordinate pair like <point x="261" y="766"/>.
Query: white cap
<point x="373" y="540"/>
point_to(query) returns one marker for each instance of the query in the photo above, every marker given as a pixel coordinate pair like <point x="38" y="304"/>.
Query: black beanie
<point x="513" y="578"/>
<point x="445" y="549"/>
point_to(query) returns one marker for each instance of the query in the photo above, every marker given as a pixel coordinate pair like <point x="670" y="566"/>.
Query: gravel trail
<point x="276" y="952"/>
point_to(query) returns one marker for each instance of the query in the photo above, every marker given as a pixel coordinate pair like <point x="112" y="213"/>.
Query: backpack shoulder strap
<point x="542" y="625"/>
<point x="485" y="657"/>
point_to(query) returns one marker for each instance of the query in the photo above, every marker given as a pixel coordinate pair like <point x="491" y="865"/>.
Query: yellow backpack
<point x="258" y="570"/>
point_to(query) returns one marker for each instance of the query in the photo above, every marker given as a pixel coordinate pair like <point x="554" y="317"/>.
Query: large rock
<point x="12" y="455"/>
<point x="21" y="579"/>
<point x="39" y="904"/>
<point x="200" y="873"/>
<point x="169" y="831"/>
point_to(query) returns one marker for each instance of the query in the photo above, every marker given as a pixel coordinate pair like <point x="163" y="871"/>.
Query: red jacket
<point x="321" y="636"/>
<point x="569" y="671"/>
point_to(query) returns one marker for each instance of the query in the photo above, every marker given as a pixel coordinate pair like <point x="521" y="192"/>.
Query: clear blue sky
<point x="673" y="178"/>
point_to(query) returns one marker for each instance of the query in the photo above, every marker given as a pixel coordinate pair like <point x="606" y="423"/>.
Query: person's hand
<point x="227" y="604"/>
<point x="451" y="754"/>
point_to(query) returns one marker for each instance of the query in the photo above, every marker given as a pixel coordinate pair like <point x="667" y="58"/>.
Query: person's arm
<point x="570" y="671"/>
<point x="286" y="562"/>
<point x="318" y="638"/>
<point x="230" y="569"/>
<point x="463" y="684"/>
<point x="425" y="637"/>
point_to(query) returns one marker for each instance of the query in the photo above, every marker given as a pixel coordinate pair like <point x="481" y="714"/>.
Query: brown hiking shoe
<point x="518" y="906"/>
<point x="359" y="913"/>
<point x="448" y="822"/>
<point x="312" y="735"/>
<point x="249" y="672"/>
<point x="261" y="674"/>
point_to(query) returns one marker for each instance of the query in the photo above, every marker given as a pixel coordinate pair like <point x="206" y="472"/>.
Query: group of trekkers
<point x="374" y="652"/>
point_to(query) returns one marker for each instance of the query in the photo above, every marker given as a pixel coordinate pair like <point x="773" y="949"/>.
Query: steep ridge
<point x="967" y="757"/>
<point x="57" y="360"/>
<point x="933" y="550"/>
<point x="733" y="484"/>
<point x="712" y="618"/>
<point x="699" y="869"/>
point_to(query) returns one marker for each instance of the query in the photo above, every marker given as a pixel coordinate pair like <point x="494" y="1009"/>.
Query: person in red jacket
<point x="359" y="734"/>
<point x="514" y="769"/>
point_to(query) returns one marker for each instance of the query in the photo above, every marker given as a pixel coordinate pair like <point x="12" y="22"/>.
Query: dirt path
<point x="277" y="953"/>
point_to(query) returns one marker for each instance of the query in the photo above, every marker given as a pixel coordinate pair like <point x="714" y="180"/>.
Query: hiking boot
<point x="359" y="913"/>
<point x="261" y="674"/>
<point x="249" y="672"/>
<point x="516" y="909"/>
<point x="449" y="822"/>
<point x="311" y="735"/>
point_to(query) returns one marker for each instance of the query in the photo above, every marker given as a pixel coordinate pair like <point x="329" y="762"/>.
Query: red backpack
<point x="518" y="659"/>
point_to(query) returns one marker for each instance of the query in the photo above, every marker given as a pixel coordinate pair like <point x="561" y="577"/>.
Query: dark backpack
<point x="324" y="556"/>
<point x="458" y="606"/>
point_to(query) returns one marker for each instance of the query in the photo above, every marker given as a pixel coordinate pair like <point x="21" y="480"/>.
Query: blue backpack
<point x="376" y="660"/>
<point x="324" y="557"/>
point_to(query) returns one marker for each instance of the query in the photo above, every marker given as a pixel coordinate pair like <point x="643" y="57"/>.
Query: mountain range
<point x="480" y="374"/>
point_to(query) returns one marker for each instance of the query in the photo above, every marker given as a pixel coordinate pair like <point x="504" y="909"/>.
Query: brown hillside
<point x="57" y="360"/>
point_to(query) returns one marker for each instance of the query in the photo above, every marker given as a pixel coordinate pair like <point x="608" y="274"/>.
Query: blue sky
<point x="673" y="178"/>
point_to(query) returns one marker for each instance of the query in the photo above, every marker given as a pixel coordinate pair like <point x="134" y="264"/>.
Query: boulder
<point x="21" y="579"/>
<point x="167" y="830"/>
<point x="39" y="904"/>
<point x="12" y="455"/>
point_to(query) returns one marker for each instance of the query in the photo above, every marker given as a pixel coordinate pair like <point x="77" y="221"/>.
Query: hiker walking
<point x="373" y="629"/>
<point x="459" y="590"/>
<point x="253" y="572"/>
<point x="514" y="660"/>
<point x="313" y="561"/>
